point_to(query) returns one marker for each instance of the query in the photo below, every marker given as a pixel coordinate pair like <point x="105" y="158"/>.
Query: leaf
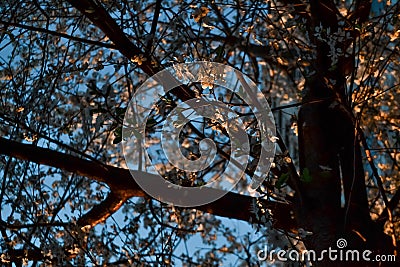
<point x="306" y="177"/>
<point x="282" y="180"/>
<point x="220" y="52"/>
<point x="117" y="140"/>
<point x="118" y="131"/>
<point x="120" y="112"/>
<point x="118" y="135"/>
<point x="91" y="85"/>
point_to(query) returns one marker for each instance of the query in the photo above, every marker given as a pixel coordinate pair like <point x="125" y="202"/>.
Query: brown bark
<point x="102" y="19"/>
<point x="320" y="189"/>
<point x="123" y="187"/>
<point x="330" y="153"/>
<point x="327" y="143"/>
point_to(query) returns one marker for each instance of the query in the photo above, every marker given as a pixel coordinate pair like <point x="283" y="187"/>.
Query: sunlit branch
<point x="102" y="19"/>
<point x="123" y="186"/>
<point x="379" y="182"/>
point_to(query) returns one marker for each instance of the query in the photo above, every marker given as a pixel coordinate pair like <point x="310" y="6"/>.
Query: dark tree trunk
<point x="319" y="208"/>
<point x="331" y="159"/>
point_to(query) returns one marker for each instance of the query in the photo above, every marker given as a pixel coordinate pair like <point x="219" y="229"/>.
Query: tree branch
<point x="63" y="35"/>
<point x="379" y="183"/>
<point x="123" y="187"/>
<point x="361" y="11"/>
<point x="102" y="211"/>
<point x="119" y="180"/>
<point x="102" y="19"/>
<point x="394" y="201"/>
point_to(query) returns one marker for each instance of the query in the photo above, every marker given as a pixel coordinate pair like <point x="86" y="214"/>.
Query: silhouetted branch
<point x="60" y="34"/>
<point x="123" y="187"/>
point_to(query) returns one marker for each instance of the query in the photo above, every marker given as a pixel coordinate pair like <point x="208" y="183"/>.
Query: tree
<point x="329" y="69"/>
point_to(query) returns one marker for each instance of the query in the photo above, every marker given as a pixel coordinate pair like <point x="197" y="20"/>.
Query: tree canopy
<point x="68" y="69"/>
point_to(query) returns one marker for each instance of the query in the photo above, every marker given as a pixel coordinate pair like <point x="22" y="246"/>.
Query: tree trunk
<point x="330" y="155"/>
<point x="330" y="159"/>
<point x="319" y="200"/>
